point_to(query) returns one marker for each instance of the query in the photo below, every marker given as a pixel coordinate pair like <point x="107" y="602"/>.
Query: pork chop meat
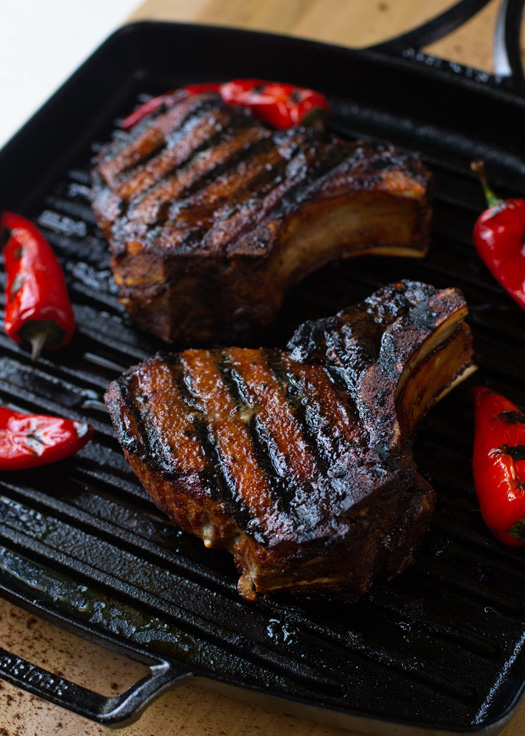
<point x="212" y="217"/>
<point x="299" y="461"/>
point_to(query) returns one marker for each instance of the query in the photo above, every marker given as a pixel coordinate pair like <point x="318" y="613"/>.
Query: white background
<point x="41" y="43"/>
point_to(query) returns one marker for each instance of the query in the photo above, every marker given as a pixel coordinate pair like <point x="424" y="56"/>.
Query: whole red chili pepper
<point x="147" y="108"/>
<point x="37" y="307"/>
<point x="280" y="105"/>
<point x="166" y="100"/>
<point x="499" y="238"/>
<point x="31" y="440"/>
<point x="499" y="465"/>
<point x="197" y="89"/>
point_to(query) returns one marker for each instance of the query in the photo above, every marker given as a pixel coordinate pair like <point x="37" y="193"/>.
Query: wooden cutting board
<point x="190" y="710"/>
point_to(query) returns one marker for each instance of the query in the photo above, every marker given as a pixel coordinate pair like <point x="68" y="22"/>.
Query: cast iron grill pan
<point x="439" y="647"/>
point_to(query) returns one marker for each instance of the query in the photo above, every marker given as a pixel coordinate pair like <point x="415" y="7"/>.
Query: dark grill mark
<point x="183" y="127"/>
<point x="264" y="182"/>
<point x="162" y="214"/>
<point x="254" y="184"/>
<point x="308" y="417"/>
<point x="268" y="456"/>
<point x="254" y="148"/>
<point x="136" y="444"/>
<point x="184" y="202"/>
<point x="512" y="417"/>
<point x="218" y="488"/>
<point x="154" y="448"/>
<point x="132" y="167"/>
<point x="310" y="180"/>
<point x="222" y="484"/>
<point x="185" y="165"/>
<point x="239" y="199"/>
<point x="517" y="452"/>
<point x="276" y="175"/>
<point x="259" y="188"/>
<point x="122" y="207"/>
<point x="138" y="196"/>
<point x="190" y="238"/>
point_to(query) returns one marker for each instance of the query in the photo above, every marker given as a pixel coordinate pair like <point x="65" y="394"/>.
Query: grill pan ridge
<point x="441" y="647"/>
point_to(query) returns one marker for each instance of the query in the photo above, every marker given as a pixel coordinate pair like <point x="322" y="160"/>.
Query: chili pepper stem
<point x="38" y="343"/>
<point x="478" y="167"/>
<point x="316" y="118"/>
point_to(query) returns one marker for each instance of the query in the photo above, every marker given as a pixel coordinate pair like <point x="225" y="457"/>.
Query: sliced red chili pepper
<point x="280" y="105"/>
<point x="499" y="465"/>
<point x="37" y="307"/>
<point x="499" y="238"/>
<point x="31" y="440"/>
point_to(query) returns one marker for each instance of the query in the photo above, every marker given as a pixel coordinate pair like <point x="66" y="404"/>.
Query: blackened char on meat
<point x="299" y="461"/>
<point x="211" y="216"/>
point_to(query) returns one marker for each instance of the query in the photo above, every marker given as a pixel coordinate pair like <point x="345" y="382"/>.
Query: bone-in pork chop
<point x="212" y="217"/>
<point x="299" y="461"/>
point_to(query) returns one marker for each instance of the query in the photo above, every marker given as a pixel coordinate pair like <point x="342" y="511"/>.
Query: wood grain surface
<point x="191" y="710"/>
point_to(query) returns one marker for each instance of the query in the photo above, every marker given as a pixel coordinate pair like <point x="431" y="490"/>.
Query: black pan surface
<point x="440" y="647"/>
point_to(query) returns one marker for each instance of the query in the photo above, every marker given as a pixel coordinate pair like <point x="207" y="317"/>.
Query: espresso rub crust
<point x="299" y="461"/>
<point x="211" y="217"/>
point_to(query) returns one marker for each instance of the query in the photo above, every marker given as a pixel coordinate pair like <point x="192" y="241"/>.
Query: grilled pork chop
<point x="212" y="217"/>
<point x="299" y="461"/>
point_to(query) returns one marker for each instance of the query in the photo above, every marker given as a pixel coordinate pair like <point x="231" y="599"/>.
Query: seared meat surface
<point x="211" y="217"/>
<point x="299" y="461"/>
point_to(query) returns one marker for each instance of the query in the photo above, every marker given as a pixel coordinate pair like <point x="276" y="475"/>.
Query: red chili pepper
<point x="166" y="100"/>
<point x="37" y="308"/>
<point x="280" y="105"/>
<point x="148" y="108"/>
<point x="499" y="465"/>
<point x="499" y="238"/>
<point x="197" y="89"/>
<point x="31" y="440"/>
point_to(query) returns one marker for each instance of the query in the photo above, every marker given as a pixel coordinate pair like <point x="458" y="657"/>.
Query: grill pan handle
<point x="108" y="711"/>
<point x="507" y="51"/>
<point x="433" y="30"/>
<point x="507" y="48"/>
